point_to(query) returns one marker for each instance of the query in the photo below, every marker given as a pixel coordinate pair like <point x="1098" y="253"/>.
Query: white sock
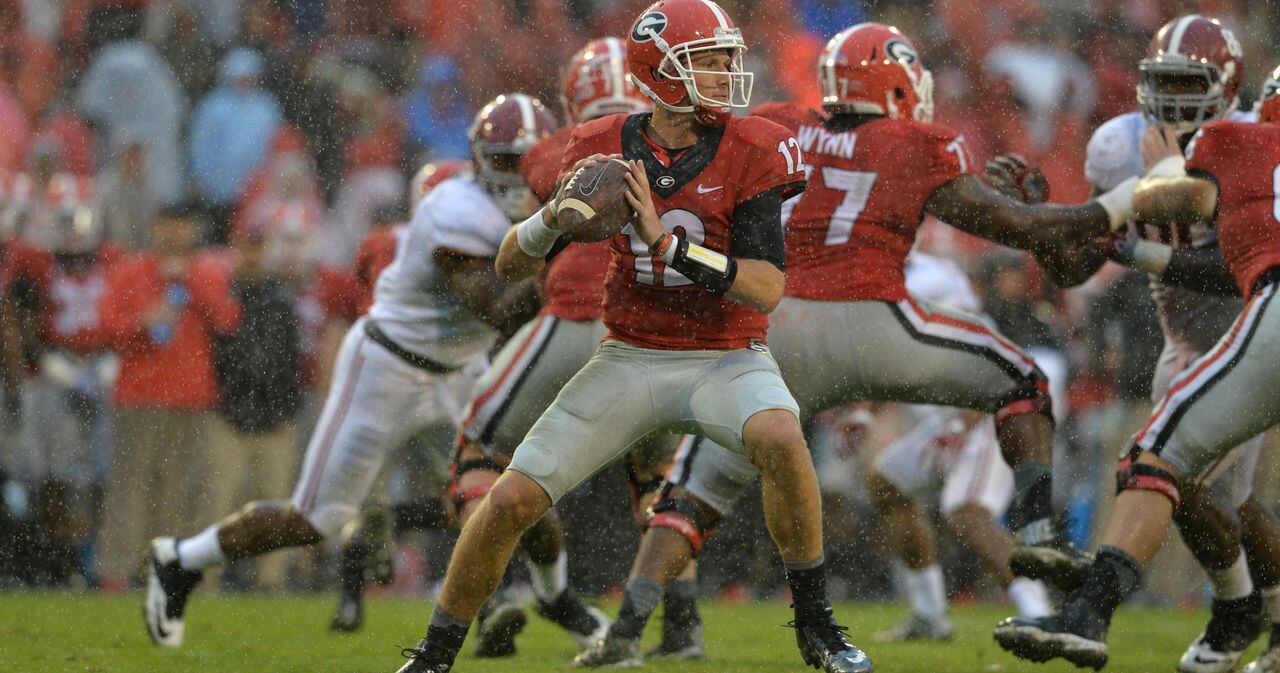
<point x="1232" y="581"/>
<point x="927" y="591"/>
<point x="1030" y="597"/>
<point x="201" y="550"/>
<point x="549" y="581"/>
<point x="1271" y="595"/>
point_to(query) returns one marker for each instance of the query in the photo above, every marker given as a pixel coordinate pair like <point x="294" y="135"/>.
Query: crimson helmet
<point x="872" y="68"/>
<point x="503" y="131"/>
<point x="1191" y="51"/>
<point x="1269" y="101"/>
<point x="72" y="227"/>
<point x="660" y="52"/>
<point x="596" y="82"/>
<point x="432" y="174"/>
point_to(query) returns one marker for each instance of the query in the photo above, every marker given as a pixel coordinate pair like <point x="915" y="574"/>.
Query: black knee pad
<point x="1132" y="475"/>
<point x="683" y="516"/>
<point x="461" y="496"/>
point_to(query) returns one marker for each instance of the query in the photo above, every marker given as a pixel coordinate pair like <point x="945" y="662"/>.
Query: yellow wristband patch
<point x="708" y="258"/>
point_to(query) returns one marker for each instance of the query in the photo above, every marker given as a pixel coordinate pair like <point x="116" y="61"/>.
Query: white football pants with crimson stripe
<point x="835" y="353"/>
<point x="1223" y="398"/>
<point x="376" y="402"/>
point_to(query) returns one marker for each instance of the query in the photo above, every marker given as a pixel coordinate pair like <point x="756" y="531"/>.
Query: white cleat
<point x="1201" y="657"/>
<point x="168" y="587"/>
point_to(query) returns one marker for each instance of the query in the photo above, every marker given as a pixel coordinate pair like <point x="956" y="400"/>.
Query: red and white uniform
<point x="1232" y="392"/>
<point x="649" y="305"/>
<point x="379" y="398"/>
<point x="1192" y="321"/>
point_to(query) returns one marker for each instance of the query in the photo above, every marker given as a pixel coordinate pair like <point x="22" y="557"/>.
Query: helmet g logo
<point x="649" y="27"/>
<point x="900" y="51"/>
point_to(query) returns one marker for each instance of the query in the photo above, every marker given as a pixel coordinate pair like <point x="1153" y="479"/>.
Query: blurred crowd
<point x="184" y="185"/>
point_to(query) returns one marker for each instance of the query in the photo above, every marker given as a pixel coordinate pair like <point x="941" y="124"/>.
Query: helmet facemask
<point x="1204" y="99"/>
<point x="498" y="174"/>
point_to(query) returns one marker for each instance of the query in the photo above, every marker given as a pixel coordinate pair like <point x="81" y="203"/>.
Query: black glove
<point x="1010" y="175"/>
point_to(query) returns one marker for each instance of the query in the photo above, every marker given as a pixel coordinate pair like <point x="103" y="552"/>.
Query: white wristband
<point x="1152" y="258"/>
<point x="1118" y="203"/>
<point x="669" y="255"/>
<point x="534" y="237"/>
<point x="1170" y="166"/>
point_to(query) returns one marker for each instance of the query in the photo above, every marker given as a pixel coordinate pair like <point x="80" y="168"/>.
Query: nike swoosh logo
<point x="708" y="190"/>
<point x="595" y="180"/>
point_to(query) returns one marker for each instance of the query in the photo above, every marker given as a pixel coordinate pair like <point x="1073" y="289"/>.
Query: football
<point x="593" y="204"/>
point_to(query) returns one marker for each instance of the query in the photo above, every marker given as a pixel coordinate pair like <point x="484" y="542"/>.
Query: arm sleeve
<point x="757" y="228"/>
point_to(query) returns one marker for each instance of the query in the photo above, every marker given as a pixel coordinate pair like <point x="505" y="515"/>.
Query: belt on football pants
<point x="1268" y="277"/>
<point x="426" y="364"/>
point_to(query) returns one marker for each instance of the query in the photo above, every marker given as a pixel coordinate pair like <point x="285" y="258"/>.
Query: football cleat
<point x="1232" y="628"/>
<point x="497" y="627"/>
<point x="585" y="624"/>
<point x="1077" y="634"/>
<point x="168" y="587"/>
<point x="1269" y="660"/>
<point x="824" y="646"/>
<point x="916" y="628"/>
<point x="612" y="652"/>
<point x="681" y="643"/>
<point x="429" y="657"/>
<point x="349" y="617"/>
<point x="1042" y="553"/>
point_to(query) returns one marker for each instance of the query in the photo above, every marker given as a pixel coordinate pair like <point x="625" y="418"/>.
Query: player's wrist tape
<point x="1171" y="166"/>
<point x="534" y="237"/>
<point x="1152" y="258"/>
<point x="1118" y="203"/>
<point x="664" y="247"/>
<point x="705" y="267"/>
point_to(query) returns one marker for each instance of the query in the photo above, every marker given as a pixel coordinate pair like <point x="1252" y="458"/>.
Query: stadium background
<point x="283" y="116"/>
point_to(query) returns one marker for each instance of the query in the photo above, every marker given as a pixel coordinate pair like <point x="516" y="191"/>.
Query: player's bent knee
<point x="472" y="480"/>
<point x="773" y="438"/>
<point x="685" y="514"/>
<point x="1135" y="473"/>
<point x="325" y="521"/>
<point x="516" y="501"/>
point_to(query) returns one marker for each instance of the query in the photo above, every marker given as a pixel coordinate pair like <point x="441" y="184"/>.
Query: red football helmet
<point x="1269" y="101"/>
<point x="660" y="52"/>
<point x="596" y="83"/>
<point x="1192" y="74"/>
<point x="502" y="132"/>
<point x="432" y="174"/>
<point x="872" y="68"/>
<point x="71" y="227"/>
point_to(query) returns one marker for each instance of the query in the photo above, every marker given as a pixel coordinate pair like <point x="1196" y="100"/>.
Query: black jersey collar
<point x="666" y="181"/>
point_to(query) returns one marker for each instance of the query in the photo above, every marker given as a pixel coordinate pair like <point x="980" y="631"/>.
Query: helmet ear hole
<point x="900" y="93"/>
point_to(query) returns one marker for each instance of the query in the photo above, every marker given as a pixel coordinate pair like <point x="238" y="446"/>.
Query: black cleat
<point x="1041" y="553"/>
<point x="168" y="587"/>
<point x="430" y="657"/>
<point x="350" y="615"/>
<point x="682" y="642"/>
<point x="497" y="627"/>
<point x="585" y="624"/>
<point x="1232" y="628"/>
<point x="823" y="645"/>
<point x="1077" y="634"/>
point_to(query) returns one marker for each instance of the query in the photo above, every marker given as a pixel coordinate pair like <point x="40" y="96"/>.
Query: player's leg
<point x="1262" y="546"/>
<point x="912" y="351"/>
<point x="1225" y="397"/>
<point x="506" y="401"/>
<point x="742" y="402"/>
<point x="370" y="410"/>
<point x="592" y="422"/>
<point x="704" y="481"/>
<point x="976" y="493"/>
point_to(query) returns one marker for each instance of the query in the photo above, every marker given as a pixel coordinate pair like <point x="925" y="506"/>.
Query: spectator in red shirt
<point x="161" y="311"/>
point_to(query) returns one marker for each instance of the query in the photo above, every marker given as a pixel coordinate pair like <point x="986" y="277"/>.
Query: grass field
<point x="46" y="633"/>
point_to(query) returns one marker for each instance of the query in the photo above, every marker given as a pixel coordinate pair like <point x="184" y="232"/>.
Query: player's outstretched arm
<point x="518" y="256"/>
<point x="1175" y="198"/>
<point x="505" y="307"/>
<point x="970" y="206"/>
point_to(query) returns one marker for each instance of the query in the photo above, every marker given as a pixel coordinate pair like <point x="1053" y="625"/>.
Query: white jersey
<point x="1191" y="320"/>
<point x="412" y="302"/>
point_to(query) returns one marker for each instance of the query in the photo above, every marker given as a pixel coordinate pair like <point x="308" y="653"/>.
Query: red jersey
<point x="65" y="296"/>
<point x="695" y="192"/>
<point x="573" y="280"/>
<point x="1244" y="160"/>
<point x="376" y="252"/>
<point x="849" y="235"/>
